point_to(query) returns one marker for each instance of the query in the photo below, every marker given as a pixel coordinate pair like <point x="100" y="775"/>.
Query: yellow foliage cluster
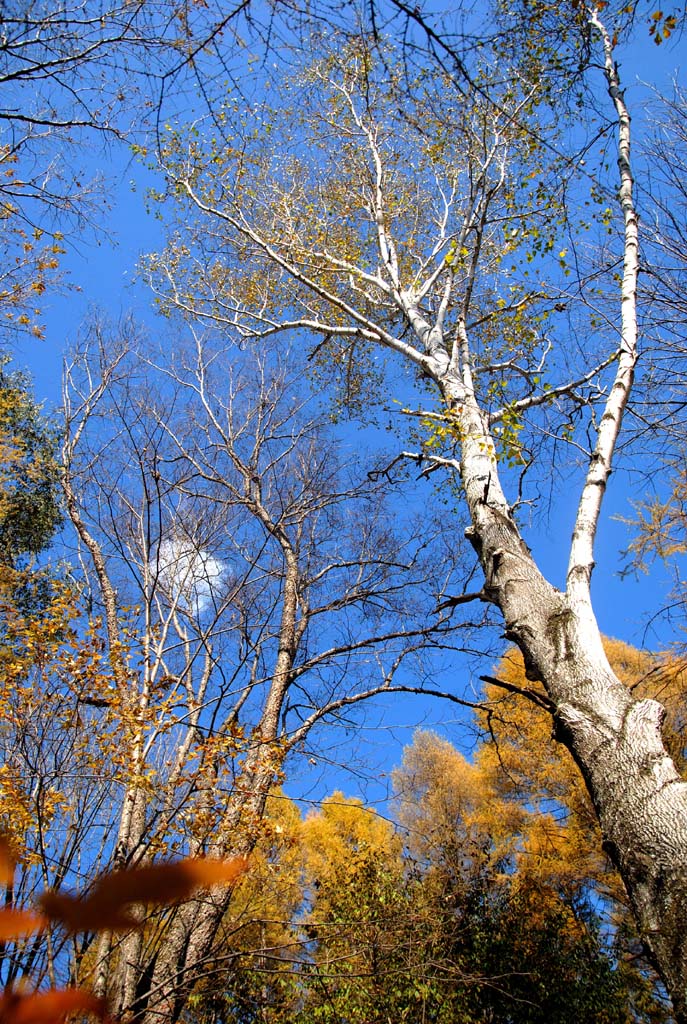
<point x="561" y="839"/>
<point x="30" y="258"/>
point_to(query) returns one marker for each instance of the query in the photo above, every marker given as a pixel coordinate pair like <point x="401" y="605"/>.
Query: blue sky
<point x="103" y="276"/>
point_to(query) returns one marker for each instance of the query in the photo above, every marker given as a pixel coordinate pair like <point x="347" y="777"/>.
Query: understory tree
<point x="455" y="243"/>
<point x="29" y="472"/>
<point x="241" y="583"/>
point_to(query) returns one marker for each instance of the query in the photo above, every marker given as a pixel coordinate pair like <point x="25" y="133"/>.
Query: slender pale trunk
<point x="189" y="936"/>
<point x="188" y="940"/>
<point x="132" y="818"/>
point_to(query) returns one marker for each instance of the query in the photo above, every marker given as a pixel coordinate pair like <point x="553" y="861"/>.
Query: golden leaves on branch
<point x="30" y="258"/>
<point x="6" y="862"/>
<point x="662" y="25"/>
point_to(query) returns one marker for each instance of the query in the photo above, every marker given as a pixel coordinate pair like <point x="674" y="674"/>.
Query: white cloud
<point x="189" y="574"/>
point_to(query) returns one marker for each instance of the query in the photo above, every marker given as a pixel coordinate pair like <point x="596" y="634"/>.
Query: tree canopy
<point x="434" y="222"/>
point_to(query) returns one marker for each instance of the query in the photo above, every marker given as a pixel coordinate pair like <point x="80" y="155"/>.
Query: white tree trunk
<point x="639" y="797"/>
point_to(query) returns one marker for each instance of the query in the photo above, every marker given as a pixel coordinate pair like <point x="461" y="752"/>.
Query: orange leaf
<point x="50" y="1007"/>
<point x="166" y="883"/>
<point x="106" y="906"/>
<point x="15" y="924"/>
<point x="81" y="915"/>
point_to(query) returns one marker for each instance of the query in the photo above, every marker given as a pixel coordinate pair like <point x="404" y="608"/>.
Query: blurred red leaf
<point x="15" y="924"/>
<point x="106" y="906"/>
<point x="50" y="1007"/>
<point x="83" y="915"/>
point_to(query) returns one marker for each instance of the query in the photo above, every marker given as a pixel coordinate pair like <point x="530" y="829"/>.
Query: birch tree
<point x="250" y="586"/>
<point x="382" y="219"/>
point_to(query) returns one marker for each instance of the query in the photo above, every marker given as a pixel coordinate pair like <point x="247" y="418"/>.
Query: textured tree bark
<point x="640" y="799"/>
<point x="165" y="983"/>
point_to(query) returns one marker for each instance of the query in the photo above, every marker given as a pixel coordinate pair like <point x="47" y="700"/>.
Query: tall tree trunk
<point x="639" y="797"/>
<point x="189" y="937"/>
